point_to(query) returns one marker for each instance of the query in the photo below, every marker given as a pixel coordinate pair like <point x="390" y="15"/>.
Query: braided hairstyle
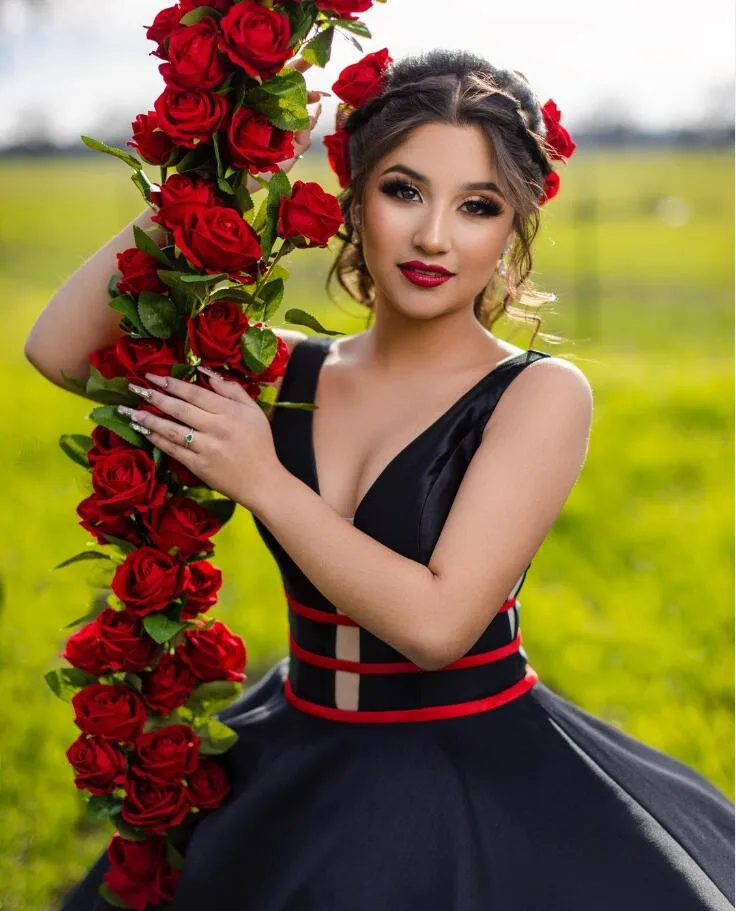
<point x="458" y="88"/>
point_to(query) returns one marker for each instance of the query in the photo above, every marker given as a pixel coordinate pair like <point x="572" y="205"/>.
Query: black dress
<point x="470" y="788"/>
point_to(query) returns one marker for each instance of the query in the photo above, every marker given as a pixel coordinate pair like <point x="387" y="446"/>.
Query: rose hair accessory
<point x="363" y="81"/>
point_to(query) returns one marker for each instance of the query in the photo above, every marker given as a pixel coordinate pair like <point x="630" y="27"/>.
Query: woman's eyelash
<point x="486" y="207"/>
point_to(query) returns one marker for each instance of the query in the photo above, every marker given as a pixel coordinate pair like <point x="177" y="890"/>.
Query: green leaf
<point x="189" y="279"/>
<point x="161" y="628"/>
<point x="92" y="614"/>
<point x="298" y="317"/>
<point x="259" y="346"/>
<point x="111" y="898"/>
<point x="194" y="158"/>
<point x="174" y="858"/>
<point x="272" y="295"/>
<point x="353" y="25"/>
<point x="64" y="682"/>
<point x="84" y="555"/>
<point x="125" y="546"/>
<point x="103" y="806"/>
<point x="243" y="199"/>
<point x="278" y="188"/>
<point x="284" y="114"/>
<point x="215" y="737"/>
<point x="213" y="696"/>
<point x="100" y="146"/>
<point x="107" y="416"/>
<point x="142" y="181"/>
<point x="236" y="294"/>
<point x="125" y="304"/>
<point x="113" y="391"/>
<point x="199" y="13"/>
<point x="148" y="245"/>
<point x="218" y="155"/>
<point x="220" y="508"/>
<point x="130" y="833"/>
<point x="317" y="50"/>
<point x="76" y="446"/>
<point x="74" y="383"/>
<point x="157" y="313"/>
<point x="225" y="187"/>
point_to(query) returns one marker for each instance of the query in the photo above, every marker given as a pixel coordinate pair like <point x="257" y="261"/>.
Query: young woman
<point x="405" y="754"/>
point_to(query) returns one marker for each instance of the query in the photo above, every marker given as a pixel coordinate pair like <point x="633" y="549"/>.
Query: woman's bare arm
<point x="532" y="452"/>
<point x="77" y="321"/>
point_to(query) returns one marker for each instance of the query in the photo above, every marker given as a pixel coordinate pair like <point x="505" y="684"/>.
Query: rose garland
<point x="149" y="669"/>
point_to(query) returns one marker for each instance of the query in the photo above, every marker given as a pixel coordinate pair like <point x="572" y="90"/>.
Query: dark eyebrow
<point x="466" y="186"/>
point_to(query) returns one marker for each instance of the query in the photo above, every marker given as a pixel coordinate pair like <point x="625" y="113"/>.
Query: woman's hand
<point x="302" y="138"/>
<point x="232" y="449"/>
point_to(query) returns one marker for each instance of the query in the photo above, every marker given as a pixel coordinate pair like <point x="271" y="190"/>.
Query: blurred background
<point x="628" y="610"/>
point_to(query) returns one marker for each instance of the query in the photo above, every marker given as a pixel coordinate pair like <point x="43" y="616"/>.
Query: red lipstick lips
<point x="425" y="275"/>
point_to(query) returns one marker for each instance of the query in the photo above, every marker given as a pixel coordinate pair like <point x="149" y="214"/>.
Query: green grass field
<point x="628" y="608"/>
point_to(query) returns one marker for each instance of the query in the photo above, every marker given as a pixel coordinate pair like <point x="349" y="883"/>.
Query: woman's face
<point x="433" y="200"/>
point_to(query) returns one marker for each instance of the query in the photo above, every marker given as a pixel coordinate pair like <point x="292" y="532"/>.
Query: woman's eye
<point x="484" y="207"/>
<point x="396" y="187"/>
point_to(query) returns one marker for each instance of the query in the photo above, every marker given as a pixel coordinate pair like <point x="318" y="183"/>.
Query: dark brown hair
<point x="458" y="88"/>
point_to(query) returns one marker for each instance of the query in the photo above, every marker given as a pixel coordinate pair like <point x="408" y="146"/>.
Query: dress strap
<point x="300" y="378"/>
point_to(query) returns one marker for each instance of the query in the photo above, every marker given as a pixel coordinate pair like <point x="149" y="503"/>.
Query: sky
<point x="78" y="66"/>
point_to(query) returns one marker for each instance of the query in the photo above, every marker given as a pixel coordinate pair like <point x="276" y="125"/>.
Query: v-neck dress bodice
<point x="404" y="508"/>
<point x="475" y="787"/>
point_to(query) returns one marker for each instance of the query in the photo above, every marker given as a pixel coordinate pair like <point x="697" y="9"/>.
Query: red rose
<point x="551" y="187"/>
<point x="148" y="580"/>
<point x="106" y="361"/>
<point x="154" y="807"/>
<point x="338" y="154"/>
<point x="344" y="8"/>
<point x="255" y="144"/>
<point x="309" y="214"/>
<point x="190" y="117"/>
<point x="181" y="472"/>
<point x="246" y="383"/>
<point x="99" y="765"/>
<point x="151" y="143"/>
<point x="205" y="581"/>
<point x="168" y="685"/>
<point x="561" y="144"/>
<point x="361" y="81"/>
<point x="125" y="482"/>
<point x="166" y="755"/>
<point x="222" y="6"/>
<point x="215" y="332"/>
<point x="140" y="873"/>
<point x="207" y="786"/>
<point x="124" y="642"/>
<point x="194" y="60"/>
<point x="115" y="712"/>
<point x="165" y="23"/>
<point x="83" y="650"/>
<point x="138" y="356"/>
<point x="217" y="239"/>
<point x="256" y="38"/>
<point x="177" y="193"/>
<point x="183" y="523"/>
<point x="138" y="272"/>
<point x="105" y="442"/>
<point x="100" y="523"/>
<point x="214" y="653"/>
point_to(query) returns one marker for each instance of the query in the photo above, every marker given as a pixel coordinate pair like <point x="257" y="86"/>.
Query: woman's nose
<point x="432" y="233"/>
